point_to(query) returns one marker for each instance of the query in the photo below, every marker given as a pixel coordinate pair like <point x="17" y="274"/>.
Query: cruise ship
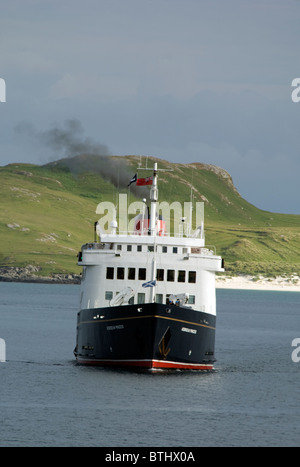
<point x="148" y="298"/>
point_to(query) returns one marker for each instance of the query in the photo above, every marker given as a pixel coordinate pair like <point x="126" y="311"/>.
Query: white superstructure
<point x="149" y="266"/>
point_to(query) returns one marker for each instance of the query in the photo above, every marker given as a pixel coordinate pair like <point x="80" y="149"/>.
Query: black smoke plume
<point x="79" y="154"/>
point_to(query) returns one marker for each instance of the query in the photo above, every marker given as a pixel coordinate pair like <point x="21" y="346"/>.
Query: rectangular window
<point x="151" y="248"/>
<point x="165" y="249"/>
<point x="141" y="298"/>
<point x="119" y="247"/>
<point x="108" y="295"/>
<point x="181" y="276"/>
<point x="175" y="249"/>
<point x="171" y="275"/>
<point x="192" y="277"/>
<point x="191" y="300"/>
<point x="129" y="247"/>
<point x="109" y="273"/>
<point x="142" y="274"/>
<point x="120" y="273"/>
<point x="159" y="298"/>
<point x="131" y="274"/>
<point x="139" y="248"/>
<point x="160" y="274"/>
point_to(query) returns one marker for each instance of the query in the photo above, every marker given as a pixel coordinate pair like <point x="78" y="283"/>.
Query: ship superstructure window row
<point x="150" y="249"/>
<point x="161" y="274"/>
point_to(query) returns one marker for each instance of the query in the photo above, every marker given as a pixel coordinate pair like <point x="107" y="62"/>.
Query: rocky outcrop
<point x="30" y="273"/>
<point x="222" y="173"/>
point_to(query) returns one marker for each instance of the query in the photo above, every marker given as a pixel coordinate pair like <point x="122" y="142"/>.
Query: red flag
<point x="144" y="181"/>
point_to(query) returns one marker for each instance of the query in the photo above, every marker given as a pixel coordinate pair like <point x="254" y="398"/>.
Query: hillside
<point x="48" y="212"/>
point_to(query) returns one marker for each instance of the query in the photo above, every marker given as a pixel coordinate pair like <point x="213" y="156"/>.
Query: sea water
<point x="250" y="399"/>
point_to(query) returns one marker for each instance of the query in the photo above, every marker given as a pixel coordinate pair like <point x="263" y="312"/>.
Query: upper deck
<point x="125" y="239"/>
<point x="120" y="249"/>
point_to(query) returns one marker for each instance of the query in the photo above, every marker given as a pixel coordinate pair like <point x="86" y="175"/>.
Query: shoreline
<point x="244" y="282"/>
<point x="42" y="280"/>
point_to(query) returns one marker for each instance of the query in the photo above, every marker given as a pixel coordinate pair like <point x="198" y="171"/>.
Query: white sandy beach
<point x="280" y="283"/>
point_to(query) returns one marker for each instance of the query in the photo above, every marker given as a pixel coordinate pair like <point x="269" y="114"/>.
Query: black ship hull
<point x="148" y="336"/>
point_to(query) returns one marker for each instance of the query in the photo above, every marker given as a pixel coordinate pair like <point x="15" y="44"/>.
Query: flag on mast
<point x="149" y="284"/>
<point x="144" y="181"/>
<point x="133" y="180"/>
<point x="141" y="181"/>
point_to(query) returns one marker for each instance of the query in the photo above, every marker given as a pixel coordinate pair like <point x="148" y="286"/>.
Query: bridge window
<point x="181" y="276"/>
<point x="192" y="277"/>
<point x="160" y="274"/>
<point x="109" y="273"/>
<point x="142" y="274"/>
<point x="120" y="273"/>
<point x="171" y="275"/>
<point x="131" y="274"/>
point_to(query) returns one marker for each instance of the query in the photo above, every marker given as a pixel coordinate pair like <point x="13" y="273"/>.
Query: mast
<point x="153" y="199"/>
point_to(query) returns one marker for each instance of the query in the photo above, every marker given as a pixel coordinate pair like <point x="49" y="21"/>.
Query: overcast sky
<point x="184" y="80"/>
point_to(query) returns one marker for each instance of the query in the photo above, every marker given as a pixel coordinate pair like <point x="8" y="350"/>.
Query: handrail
<point x="206" y="249"/>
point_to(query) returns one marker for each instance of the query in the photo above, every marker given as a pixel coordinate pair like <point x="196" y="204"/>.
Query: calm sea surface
<point x="46" y="399"/>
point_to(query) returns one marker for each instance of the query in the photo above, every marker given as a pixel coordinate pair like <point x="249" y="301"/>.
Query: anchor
<point x="163" y="344"/>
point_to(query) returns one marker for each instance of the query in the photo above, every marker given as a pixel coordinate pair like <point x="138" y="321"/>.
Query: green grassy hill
<point x="48" y="212"/>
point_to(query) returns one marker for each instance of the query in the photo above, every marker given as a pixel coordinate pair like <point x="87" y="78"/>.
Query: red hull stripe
<point x="152" y="364"/>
